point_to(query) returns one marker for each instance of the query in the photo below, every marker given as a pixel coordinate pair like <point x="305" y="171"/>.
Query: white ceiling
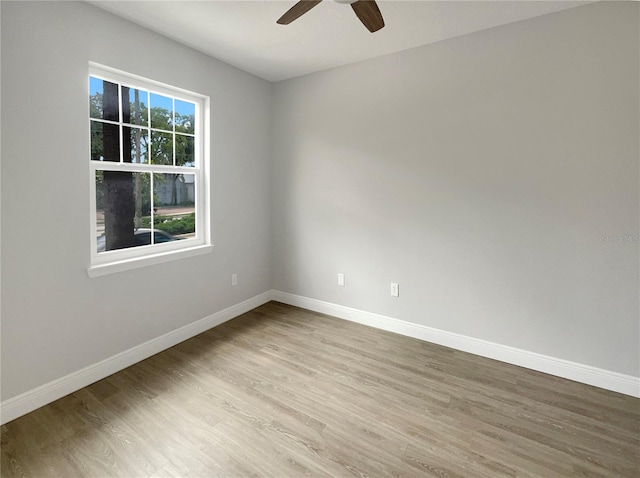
<point x="245" y="34"/>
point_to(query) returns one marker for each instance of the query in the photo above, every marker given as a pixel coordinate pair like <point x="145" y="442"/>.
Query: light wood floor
<point x="284" y="392"/>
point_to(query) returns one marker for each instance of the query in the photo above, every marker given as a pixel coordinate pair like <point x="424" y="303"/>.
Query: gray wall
<point x="55" y="320"/>
<point x="482" y="174"/>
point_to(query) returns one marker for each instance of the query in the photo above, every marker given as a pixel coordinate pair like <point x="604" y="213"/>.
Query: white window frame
<point x="108" y="262"/>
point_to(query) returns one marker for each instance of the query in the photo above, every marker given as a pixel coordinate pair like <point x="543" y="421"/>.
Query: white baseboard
<point x="47" y="393"/>
<point x="598" y="377"/>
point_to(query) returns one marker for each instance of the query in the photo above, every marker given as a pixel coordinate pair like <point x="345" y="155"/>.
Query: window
<point x="149" y="181"/>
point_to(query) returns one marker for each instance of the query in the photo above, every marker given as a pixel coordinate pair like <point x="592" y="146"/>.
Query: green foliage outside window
<point x="173" y="226"/>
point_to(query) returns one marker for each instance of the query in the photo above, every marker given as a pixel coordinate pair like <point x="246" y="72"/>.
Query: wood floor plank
<point x="285" y="392"/>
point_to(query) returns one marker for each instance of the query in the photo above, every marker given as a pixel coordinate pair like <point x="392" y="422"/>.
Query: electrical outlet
<point x="234" y="279"/>
<point x="395" y="289"/>
<point x="341" y="279"/>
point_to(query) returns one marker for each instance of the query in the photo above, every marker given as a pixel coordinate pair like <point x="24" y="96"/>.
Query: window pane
<point x="175" y="212"/>
<point x="134" y="106"/>
<point x="95" y="97"/>
<point x="185" y="116"/>
<point x="105" y="141"/>
<point x="122" y="201"/>
<point x="103" y="99"/>
<point x="185" y="150"/>
<point x="100" y="210"/>
<point x="97" y="151"/>
<point x="161" y="148"/>
<point x="161" y="112"/>
<point x="138" y="139"/>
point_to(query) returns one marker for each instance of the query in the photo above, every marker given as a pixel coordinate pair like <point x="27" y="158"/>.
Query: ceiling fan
<point x="366" y="10"/>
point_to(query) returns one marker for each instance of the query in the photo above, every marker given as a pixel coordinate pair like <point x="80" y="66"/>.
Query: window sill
<point x="138" y="262"/>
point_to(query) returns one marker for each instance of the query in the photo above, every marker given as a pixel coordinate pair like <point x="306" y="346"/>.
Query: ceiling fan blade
<point x="369" y="14"/>
<point x="297" y="11"/>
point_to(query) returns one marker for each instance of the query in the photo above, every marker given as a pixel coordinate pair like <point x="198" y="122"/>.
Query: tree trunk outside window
<point x="118" y="186"/>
